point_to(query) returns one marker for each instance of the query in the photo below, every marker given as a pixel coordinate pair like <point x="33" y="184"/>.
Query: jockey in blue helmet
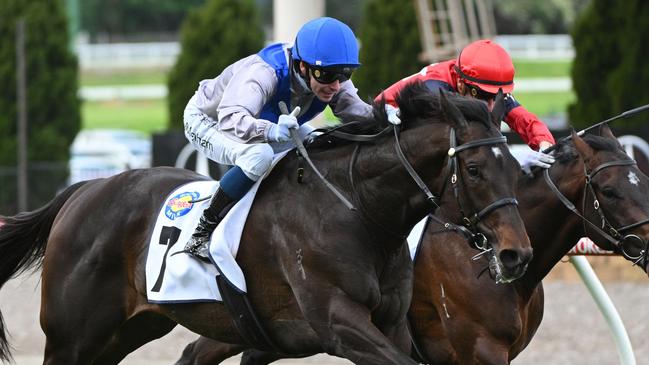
<point x="234" y="119"/>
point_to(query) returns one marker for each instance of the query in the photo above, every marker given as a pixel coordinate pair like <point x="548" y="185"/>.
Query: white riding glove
<point x="280" y="132"/>
<point x="534" y="158"/>
<point x="393" y="114"/>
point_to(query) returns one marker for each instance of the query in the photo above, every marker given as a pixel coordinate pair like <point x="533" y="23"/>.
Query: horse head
<point x="479" y="175"/>
<point x="614" y="202"/>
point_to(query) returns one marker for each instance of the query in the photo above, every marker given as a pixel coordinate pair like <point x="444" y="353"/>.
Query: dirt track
<point x="573" y="331"/>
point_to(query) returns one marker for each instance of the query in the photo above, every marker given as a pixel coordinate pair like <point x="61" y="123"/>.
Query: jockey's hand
<point x="533" y="158"/>
<point x="544" y="144"/>
<point x="393" y="114"/>
<point x="280" y="132"/>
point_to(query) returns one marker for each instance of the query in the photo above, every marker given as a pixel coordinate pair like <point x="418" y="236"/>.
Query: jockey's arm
<point x="236" y="96"/>
<point x="347" y="105"/>
<point x="531" y="129"/>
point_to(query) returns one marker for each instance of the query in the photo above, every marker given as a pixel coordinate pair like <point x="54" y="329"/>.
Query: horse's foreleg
<point x="399" y="335"/>
<point x="205" y="351"/>
<point x="346" y="330"/>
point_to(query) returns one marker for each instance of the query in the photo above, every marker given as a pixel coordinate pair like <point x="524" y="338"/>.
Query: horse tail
<point x="23" y="238"/>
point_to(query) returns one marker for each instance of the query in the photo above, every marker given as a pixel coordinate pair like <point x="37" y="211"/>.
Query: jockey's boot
<point x="212" y="216"/>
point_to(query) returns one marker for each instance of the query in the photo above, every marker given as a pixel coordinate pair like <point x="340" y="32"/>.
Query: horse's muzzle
<point x="514" y="262"/>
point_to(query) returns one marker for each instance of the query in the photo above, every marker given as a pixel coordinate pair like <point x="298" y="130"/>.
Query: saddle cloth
<point x="414" y="238"/>
<point x="182" y="278"/>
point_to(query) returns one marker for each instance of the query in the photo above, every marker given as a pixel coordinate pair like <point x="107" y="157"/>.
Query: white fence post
<point x="596" y="289"/>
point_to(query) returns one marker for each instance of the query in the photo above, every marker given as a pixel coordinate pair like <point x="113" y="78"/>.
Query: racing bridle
<point x="469" y="228"/>
<point x="615" y="236"/>
<point x="470" y="221"/>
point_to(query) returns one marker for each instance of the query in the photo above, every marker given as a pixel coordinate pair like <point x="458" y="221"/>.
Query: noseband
<point x="613" y="235"/>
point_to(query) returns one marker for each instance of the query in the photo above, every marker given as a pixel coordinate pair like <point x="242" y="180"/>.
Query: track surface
<point x="573" y="331"/>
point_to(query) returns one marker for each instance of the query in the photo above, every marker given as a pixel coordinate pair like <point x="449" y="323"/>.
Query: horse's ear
<point x="498" y="112"/>
<point x="605" y="131"/>
<point x="582" y="147"/>
<point x="452" y="114"/>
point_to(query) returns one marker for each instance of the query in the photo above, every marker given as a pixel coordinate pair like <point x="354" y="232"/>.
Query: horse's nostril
<point x="509" y="258"/>
<point x="512" y="258"/>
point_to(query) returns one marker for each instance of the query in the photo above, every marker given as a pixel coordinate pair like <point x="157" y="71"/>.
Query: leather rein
<point x="469" y="230"/>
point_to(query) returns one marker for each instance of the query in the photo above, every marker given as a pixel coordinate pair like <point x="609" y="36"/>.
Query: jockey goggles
<point x="478" y="93"/>
<point x="328" y="75"/>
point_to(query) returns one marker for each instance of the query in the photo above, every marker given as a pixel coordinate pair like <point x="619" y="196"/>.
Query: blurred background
<point x="95" y="87"/>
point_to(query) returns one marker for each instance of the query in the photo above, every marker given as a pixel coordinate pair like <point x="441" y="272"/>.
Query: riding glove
<point x="534" y="158"/>
<point x="393" y="114"/>
<point x="280" y="132"/>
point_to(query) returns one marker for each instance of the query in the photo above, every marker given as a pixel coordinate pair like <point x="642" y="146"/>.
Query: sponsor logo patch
<point x="180" y="204"/>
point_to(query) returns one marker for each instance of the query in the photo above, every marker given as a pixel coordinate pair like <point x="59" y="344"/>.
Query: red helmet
<point x="486" y="65"/>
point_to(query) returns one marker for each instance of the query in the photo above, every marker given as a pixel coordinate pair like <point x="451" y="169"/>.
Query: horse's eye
<point x="609" y="192"/>
<point x="473" y="171"/>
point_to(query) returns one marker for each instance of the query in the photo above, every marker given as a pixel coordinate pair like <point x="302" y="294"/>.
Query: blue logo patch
<point x="180" y="204"/>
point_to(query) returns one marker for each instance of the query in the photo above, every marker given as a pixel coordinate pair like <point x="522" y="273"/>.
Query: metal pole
<point x="21" y="86"/>
<point x="597" y="291"/>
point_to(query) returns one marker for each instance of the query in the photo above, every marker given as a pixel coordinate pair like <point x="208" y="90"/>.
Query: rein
<point x="614" y="235"/>
<point x="470" y="222"/>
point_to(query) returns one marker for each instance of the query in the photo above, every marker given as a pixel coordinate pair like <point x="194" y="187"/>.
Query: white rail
<point x="538" y="46"/>
<point x="606" y="306"/>
<point x="164" y="54"/>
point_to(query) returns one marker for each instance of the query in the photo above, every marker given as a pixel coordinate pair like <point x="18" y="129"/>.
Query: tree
<point x="52" y="104"/>
<point x="609" y="72"/>
<point x="390" y="45"/>
<point x="349" y="12"/>
<point x="118" y="19"/>
<point x="538" y="17"/>
<point x="212" y="38"/>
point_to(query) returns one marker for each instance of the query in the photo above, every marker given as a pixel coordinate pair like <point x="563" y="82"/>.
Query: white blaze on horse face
<point x="497" y="152"/>
<point x="633" y="178"/>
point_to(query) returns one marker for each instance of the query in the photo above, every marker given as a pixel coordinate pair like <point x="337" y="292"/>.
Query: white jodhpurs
<point x="254" y="159"/>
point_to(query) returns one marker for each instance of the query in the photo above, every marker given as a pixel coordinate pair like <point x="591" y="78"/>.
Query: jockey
<point x="234" y="119"/>
<point x="479" y="71"/>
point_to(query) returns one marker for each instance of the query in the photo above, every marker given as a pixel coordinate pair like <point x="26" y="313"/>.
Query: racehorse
<point x="458" y="314"/>
<point x="320" y="276"/>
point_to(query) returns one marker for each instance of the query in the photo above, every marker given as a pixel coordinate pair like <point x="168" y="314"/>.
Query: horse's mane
<point x="566" y="150"/>
<point x="416" y="102"/>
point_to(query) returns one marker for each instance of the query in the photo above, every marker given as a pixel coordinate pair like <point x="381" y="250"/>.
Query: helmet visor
<point x="328" y="75"/>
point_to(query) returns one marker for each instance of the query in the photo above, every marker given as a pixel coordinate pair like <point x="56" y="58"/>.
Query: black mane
<point x="416" y="102"/>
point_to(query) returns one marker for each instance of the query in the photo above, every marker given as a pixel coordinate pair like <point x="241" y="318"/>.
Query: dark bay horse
<point x="319" y="275"/>
<point x="459" y="315"/>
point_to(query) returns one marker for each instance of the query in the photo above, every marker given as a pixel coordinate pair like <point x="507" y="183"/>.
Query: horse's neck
<point x="388" y="195"/>
<point x="553" y="229"/>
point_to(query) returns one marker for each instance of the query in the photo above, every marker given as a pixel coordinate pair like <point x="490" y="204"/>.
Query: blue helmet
<point x="326" y="42"/>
